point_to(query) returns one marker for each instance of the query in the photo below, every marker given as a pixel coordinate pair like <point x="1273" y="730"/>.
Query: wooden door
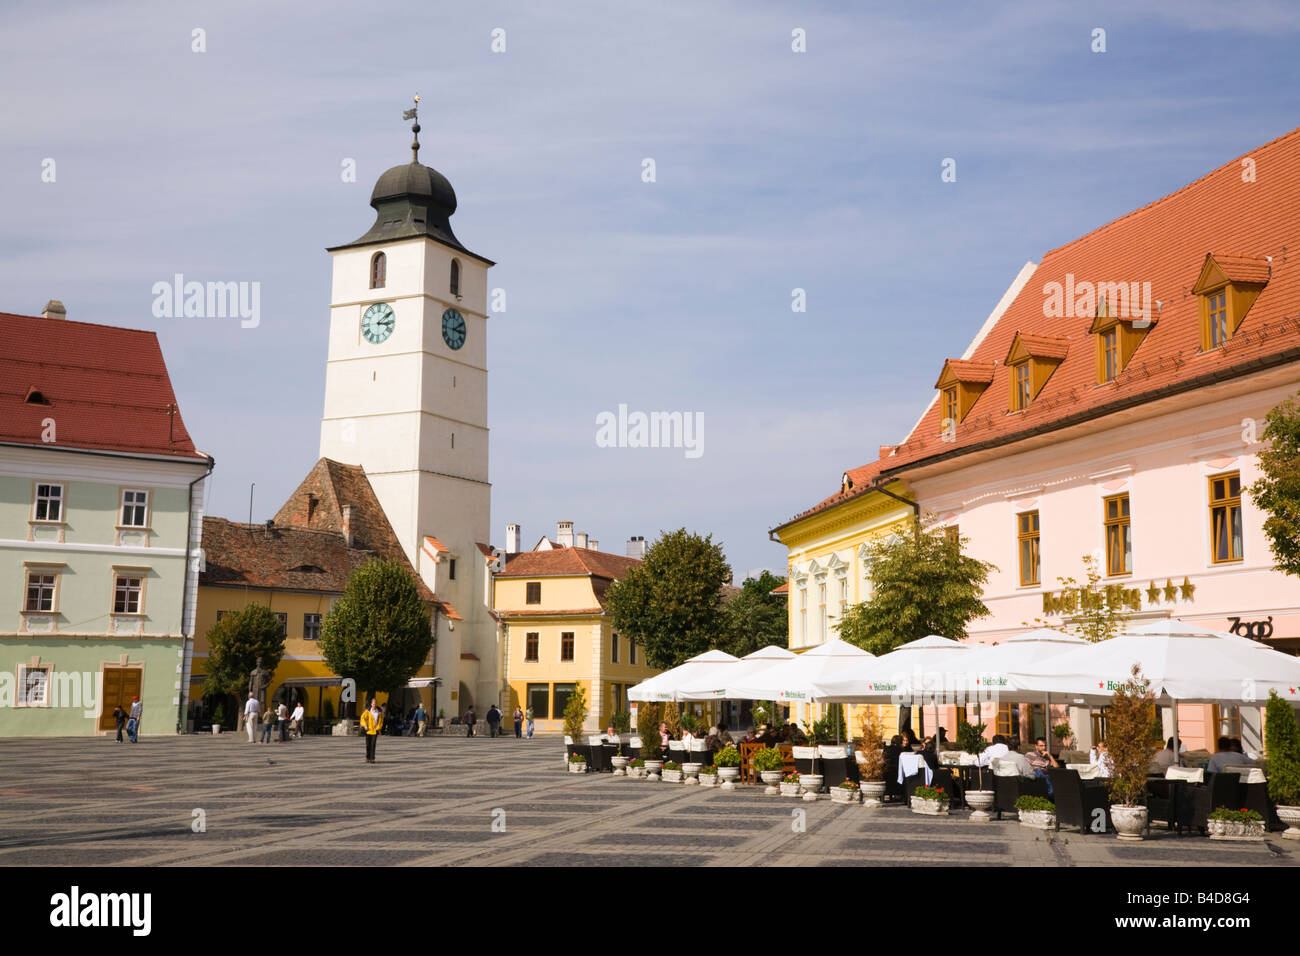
<point x="120" y="685"/>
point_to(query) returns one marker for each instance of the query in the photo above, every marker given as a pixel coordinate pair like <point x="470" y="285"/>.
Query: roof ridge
<point x="95" y="325"/>
<point x="1155" y="202"/>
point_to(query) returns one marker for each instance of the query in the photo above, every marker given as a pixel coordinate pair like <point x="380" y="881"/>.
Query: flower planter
<point x="620" y="766"/>
<point x="980" y="802"/>
<point x="811" y="781"/>
<point x="1250" y="831"/>
<point x="840" y="795"/>
<point x="216" y="731"/>
<point x="872" y="791"/>
<point x="652" y="768"/>
<point x="672" y="776"/>
<point x="932" y="808"/>
<point x="1291" y="817"/>
<point x="637" y="772"/>
<point x="578" y="766"/>
<point x="708" y="779"/>
<point x="728" y="777"/>
<point x="1129" y="822"/>
<point x="789" y="789"/>
<point x="1038" y="819"/>
<point x="692" y="772"/>
<point x="772" y="778"/>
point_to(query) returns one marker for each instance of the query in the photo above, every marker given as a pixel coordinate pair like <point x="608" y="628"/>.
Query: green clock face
<point x="377" y="324"/>
<point x="453" y="329"/>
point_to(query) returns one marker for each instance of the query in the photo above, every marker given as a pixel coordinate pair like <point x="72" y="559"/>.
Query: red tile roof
<point x="783" y="589"/>
<point x="107" y="388"/>
<point x="975" y="373"/>
<point x="1039" y="346"/>
<point x="567" y="561"/>
<point x="1164" y="243"/>
<point x="436" y="544"/>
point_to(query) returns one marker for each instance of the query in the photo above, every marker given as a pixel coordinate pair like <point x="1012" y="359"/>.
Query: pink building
<point x="1111" y="406"/>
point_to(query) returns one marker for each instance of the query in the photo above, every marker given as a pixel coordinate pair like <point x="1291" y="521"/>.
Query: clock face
<point x="377" y="324"/>
<point x="453" y="329"/>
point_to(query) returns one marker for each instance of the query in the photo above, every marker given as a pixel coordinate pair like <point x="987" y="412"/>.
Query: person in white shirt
<point x="1100" y="758"/>
<point x="1023" y="766"/>
<point x="1166" y="759"/>
<point x="251" y="707"/>
<point x="1227" y="757"/>
<point x="296" y="726"/>
<point x="998" y="748"/>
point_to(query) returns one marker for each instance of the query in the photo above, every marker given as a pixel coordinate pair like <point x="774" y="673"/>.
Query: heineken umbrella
<point x="705" y="688"/>
<point x="666" y="686"/>
<point x="793" y="680"/>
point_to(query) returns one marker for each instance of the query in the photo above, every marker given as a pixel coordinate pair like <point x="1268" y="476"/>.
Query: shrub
<point x="709" y="769"/>
<point x="970" y="738"/>
<point x="1130" y="720"/>
<point x="872" y="764"/>
<point x="931" y="793"/>
<point x="728" y="756"/>
<point x="850" y="785"/>
<point x="647" y="726"/>
<point x="790" y="777"/>
<point x="621" y="722"/>
<point x="638" y="762"/>
<point x="1282" y="747"/>
<point x="1035" y="803"/>
<point x="576" y="758"/>
<point x="1061" y="731"/>
<point x="672" y="765"/>
<point x="768" y="759"/>
<point x="1243" y="815"/>
<point x="575" y="713"/>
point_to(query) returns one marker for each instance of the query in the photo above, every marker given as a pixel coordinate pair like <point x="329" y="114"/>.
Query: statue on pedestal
<point x="258" y="678"/>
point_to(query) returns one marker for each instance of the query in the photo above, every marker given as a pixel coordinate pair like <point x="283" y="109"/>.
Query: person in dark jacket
<point x="119" y="715"/>
<point x="494" y="720"/>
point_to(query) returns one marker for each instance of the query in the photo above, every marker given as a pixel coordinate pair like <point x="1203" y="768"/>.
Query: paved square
<point x="450" y="800"/>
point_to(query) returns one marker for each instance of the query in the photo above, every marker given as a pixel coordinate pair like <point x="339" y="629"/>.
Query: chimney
<point x="512" y="538"/>
<point x="636" y="546"/>
<point x="54" y="310"/>
<point x="564" y="533"/>
<point x="347" y="524"/>
<point x="581" y="539"/>
<point x="594" y="545"/>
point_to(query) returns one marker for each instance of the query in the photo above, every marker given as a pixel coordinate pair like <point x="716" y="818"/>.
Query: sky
<point x="775" y="170"/>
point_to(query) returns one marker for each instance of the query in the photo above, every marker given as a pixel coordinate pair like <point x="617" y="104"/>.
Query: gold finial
<point x="413" y="114"/>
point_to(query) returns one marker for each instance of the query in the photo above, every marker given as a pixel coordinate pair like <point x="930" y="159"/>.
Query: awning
<point x="418" y="682"/>
<point x="313" y="682"/>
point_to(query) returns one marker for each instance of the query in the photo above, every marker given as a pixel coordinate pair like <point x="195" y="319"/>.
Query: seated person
<point x="929" y="755"/>
<point x="1167" y="758"/>
<point x="1099" y="757"/>
<point x="795" y="736"/>
<point x="998" y="748"/>
<point x="749" y="737"/>
<point x="1023" y="766"/>
<point x="724" y="738"/>
<point x="611" y="735"/>
<point x="1040" y="759"/>
<point x="893" y="748"/>
<point x="1227" y="757"/>
<point x="908" y="741"/>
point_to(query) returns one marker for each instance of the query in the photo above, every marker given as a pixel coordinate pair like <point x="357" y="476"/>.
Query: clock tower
<point x="406" y="399"/>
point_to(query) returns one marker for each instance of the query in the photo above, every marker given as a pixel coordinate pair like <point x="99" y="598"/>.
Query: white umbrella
<point x="794" y="679"/>
<point x="706" y="688"/>
<point x="666" y="686"/>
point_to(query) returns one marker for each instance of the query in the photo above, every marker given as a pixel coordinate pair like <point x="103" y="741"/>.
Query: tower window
<point x="378" y="270"/>
<point x="455" y="277"/>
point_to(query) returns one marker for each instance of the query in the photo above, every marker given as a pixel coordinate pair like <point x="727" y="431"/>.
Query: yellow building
<point x="297" y="565"/>
<point x="828" y="565"/>
<point x="558" y="636"/>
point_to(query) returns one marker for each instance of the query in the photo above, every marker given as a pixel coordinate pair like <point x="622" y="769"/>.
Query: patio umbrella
<point x="666" y="686"/>
<point x="706" y="688"/>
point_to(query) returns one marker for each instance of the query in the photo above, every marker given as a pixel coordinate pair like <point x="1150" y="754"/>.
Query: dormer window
<point x="960" y="385"/>
<point x="1119" y="330"/>
<point x="35" y="397"/>
<point x="1228" y="287"/>
<point x="1109" y="355"/>
<point x="378" y="270"/>
<point x="1031" y="361"/>
<point x="950" y="404"/>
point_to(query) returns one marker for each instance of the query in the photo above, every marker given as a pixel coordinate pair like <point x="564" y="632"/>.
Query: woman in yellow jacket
<point x="372" y="722"/>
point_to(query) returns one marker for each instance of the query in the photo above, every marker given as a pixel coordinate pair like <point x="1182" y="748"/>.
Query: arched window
<point x="455" y="277"/>
<point x="378" y="270"/>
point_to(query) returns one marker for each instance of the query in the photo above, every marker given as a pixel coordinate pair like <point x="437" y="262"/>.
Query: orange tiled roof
<point x="1039" y="346"/>
<point x="976" y="373"/>
<point x="567" y="561"/>
<point x="1164" y="243"/>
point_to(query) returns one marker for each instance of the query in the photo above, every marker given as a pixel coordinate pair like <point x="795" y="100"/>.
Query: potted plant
<point x="1129" y="740"/>
<point x="636" y="767"/>
<point x="932" y="801"/>
<point x="619" y="763"/>
<point x="846" y="792"/>
<point x="1241" y="825"/>
<point x="768" y="763"/>
<point x="672" y="771"/>
<point x="871" y="758"/>
<point x="708" y="776"/>
<point x="971" y="739"/>
<point x="218" y="715"/>
<point x="1036" y="812"/>
<point x="727" y="763"/>
<point x="577" y="763"/>
<point x="790" y="784"/>
<point x="811" y="784"/>
<point x="1061" y="732"/>
<point x="1282" y="747"/>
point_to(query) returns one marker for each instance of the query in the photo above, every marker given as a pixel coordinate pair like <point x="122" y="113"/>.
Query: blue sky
<point x="775" y="170"/>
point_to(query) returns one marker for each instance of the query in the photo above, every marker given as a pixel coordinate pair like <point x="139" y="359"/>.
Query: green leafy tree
<point x="234" y="644"/>
<point x="921" y="585"/>
<point x="754" y="618"/>
<point x="647" y="727"/>
<point x="378" y="631"/>
<point x="575" y="713"/>
<point x="670" y="603"/>
<point x="1282" y="747"/>
<point x="1277" y="492"/>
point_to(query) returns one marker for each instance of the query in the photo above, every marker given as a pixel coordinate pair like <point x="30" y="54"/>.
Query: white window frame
<point x="60" y="498"/>
<point x="126" y="574"/>
<point x="142" y="505"/>
<point x="20" y="694"/>
<point x="320" y="620"/>
<point x="43" y="572"/>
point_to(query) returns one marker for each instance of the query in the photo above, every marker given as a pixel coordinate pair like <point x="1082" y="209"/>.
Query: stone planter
<point x="1231" y="830"/>
<point x="1038" y="819"/>
<point x="1291" y="817"/>
<point x="811" y="781"/>
<point x="692" y="772"/>
<point x="840" y="795"/>
<point x="932" y="808"/>
<point x="673" y="776"/>
<point x="790" y="789"/>
<point x="872" y="791"/>
<point x="708" y="779"/>
<point x="980" y="801"/>
<point x="579" y="767"/>
<point x="620" y="766"/>
<point x="729" y="776"/>
<point x="637" y="772"/>
<point x="216" y="731"/>
<point x="773" y="779"/>
<point x="1129" y="822"/>
<point x="652" y="768"/>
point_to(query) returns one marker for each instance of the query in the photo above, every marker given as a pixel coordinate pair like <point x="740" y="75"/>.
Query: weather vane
<point x="414" y="114"/>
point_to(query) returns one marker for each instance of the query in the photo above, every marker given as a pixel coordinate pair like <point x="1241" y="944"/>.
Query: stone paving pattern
<point x="431" y="802"/>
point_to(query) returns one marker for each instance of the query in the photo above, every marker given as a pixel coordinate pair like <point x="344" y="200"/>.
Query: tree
<point x="234" y="644"/>
<point x="754" y="618"/>
<point x="575" y="713"/>
<point x="378" y="631"/>
<point x="922" y="585"/>
<point x="1282" y="746"/>
<point x="1277" y="492"/>
<point x="669" y="604"/>
<point x="1132" y="737"/>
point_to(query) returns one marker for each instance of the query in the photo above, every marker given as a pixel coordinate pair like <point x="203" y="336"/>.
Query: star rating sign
<point x="1188" y="589"/>
<point x="1171" y="590"/>
<point x="1153" y="593"/>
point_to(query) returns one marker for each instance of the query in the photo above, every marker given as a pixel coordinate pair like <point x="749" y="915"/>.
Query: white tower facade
<point x="406" y="399"/>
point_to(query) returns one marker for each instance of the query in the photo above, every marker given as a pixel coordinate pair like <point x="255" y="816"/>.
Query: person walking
<point x="250" y="717"/>
<point x="372" y="722"/>
<point x="469" y="719"/>
<point x="297" y="718"/>
<point x="421" y="719"/>
<point x="133" y="720"/>
<point x="282" y="718"/>
<point x="518" y="717"/>
<point x="268" y="726"/>
<point x="528" y="716"/>
<point x="119" y="715"/>
<point x="494" y="720"/>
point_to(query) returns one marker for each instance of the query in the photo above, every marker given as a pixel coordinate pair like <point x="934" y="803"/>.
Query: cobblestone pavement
<point x="91" y="802"/>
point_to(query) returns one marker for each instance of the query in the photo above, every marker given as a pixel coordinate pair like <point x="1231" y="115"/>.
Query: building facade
<point x="101" y="492"/>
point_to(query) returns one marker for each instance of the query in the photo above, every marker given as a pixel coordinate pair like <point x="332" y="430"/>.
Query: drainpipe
<point x="916" y="508"/>
<point x="187" y="640"/>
